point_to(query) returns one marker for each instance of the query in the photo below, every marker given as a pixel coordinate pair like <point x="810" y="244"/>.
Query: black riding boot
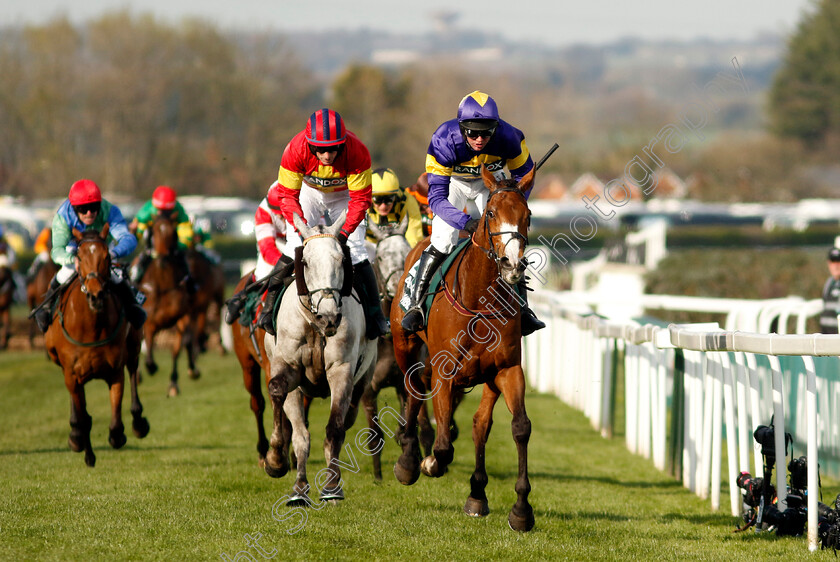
<point x="430" y="259"/>
<point x="133" y="311"/>
<point x="43" y="313"/>
<point x="139" y="269"/>
<point x="364" y="281"/>
<point x="529" y="321"/>
<point x="282" y="269"/>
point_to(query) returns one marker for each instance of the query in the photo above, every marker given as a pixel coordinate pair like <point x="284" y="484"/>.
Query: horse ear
<point x="301" y="226"/>
<point x="527" y="181"/>
<point x="76" y="234"/>
<point x="105" y="230"/>
<point x="403" y="227"/>
<point x="339" y="223"/>
<point x="488" y="177"/>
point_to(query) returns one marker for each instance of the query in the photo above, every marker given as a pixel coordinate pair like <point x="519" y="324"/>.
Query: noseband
<point x="490" y="251"/>
<point x="93" y="274"/>
<point x="330" y="293"/>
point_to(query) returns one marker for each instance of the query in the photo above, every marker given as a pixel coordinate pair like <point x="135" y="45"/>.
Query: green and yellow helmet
<point x="385" y="182"/>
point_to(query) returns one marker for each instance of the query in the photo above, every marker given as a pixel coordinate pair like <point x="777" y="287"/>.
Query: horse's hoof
<point x="430" y="467"/>
<point x="522" y="523"/>
<point x="75" y="446"/>
<point x="90" y="459"/>
<point x="151" y="368"/>
<point x="140" y="427"/>
<point x="173" y="390"/>
<point x="195" y="374"/>
<point x="298" y="500"/>
<point x="332" y="496"/>
<point x="476" y="508"/>
<point x="261" y="462"/>
<point x="407" y="476"/>
<point x="275" y="472"/>
<point x="117" y="440"/>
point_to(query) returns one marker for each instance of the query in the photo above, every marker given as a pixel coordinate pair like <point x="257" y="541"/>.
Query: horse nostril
<point x="318" y="317"/>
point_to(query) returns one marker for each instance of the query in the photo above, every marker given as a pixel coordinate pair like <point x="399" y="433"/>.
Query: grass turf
<point x="192" y="489"/>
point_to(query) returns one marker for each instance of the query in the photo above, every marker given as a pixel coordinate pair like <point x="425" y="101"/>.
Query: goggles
<point x="87" y="208"/>
<point x="484" y="133"/>
<point x="324" y="149"/>
<point x="380" y="199"/>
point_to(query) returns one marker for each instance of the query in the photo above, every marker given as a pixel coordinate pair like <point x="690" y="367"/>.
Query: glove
<point x="471" y="226"/>
<point x="342" y="237"/>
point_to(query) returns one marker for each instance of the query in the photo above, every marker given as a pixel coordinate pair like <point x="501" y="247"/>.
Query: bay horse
<point x="7" y="294"/>
<point x="473" y="336"/>
<point x="210" y="290"/>
<point x="392" y="249"/>
<point x="320" y="350"/>
<point x="35" y="291"/>
<point x="90" y="338"/>
<point x="168" y="302"/>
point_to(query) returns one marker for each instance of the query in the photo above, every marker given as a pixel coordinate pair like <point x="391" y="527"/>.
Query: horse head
<point x="94" y="265"/>
<point x="503" y="229"/>
<point x="164" y="236"/>
<point x="322" y="265"/>
<point x="391" y="251"/>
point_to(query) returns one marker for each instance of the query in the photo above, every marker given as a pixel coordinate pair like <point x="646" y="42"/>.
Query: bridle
<point x="329" y="293"/>
<point x="95" y="274"/>
<point x="490" y="250"/>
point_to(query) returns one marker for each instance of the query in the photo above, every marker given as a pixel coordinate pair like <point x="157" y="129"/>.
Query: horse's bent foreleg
<point x="149" y="331"/>
<point x="512" y="384"/>
<point x="482" y="422"/>
<point x="116" y="433"/>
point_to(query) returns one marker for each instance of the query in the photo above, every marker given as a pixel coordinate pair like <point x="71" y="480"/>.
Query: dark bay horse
<point x="168" y="302"/>
<point x="7" y="293"/>
<point x="320" y="351"/>
<point x="473" y="336"/>
<point x="35" y="291"/>
<point x="210" y="290"/>
<point x="90" y="338"/>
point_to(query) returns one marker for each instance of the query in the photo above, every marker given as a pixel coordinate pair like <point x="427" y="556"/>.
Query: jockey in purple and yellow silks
<point x="453" y="164"/>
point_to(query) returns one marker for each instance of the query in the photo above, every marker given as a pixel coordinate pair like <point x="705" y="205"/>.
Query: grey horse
<point x="320" y="350"/>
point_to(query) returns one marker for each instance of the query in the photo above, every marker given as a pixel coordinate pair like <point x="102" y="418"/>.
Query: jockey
<point x="272" y="265"/>
<point x="391" y="204"/>
<point x="420" y="191"/>
<point x="453" y="163"/>
<point x="43" y="243"/>
<point x="7" y="250"/>
<point x="84" y="208"/>
<point x="325" y="170"/>
<point x="164" y="203"/>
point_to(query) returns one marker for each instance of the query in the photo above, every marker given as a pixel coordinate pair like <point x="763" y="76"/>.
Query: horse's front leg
<point x="442" y="452"/>
<point x="407" y="467"/>
<point x="295" y="413"/>
<point x="80" y="420"/>
<point x="341" y="394"/>
<point x="277" y="459"/>
<point x="511" y="382"/>
<point x="149" y="331"/>
<point x="482" y="422"/>
<point x="116" y="433"/>
<point x="187" y="327"/>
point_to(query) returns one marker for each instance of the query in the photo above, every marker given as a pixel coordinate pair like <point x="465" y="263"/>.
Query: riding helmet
<point x="384" y="182"/>
<point x="478" y="111"/>
<point x="83" y="192"/>
<point x="164" y="198"/>
<point x="325" y="128"/>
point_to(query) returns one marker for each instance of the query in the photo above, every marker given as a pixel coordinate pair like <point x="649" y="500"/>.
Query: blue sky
<point x="553" y="22"/>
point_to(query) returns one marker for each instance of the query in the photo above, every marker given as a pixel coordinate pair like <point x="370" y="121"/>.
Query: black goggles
<point x="484" y="133"/>
<point x="379" y="199"/>
<point x="322" y="149"/>
<point x="87" y="208"/>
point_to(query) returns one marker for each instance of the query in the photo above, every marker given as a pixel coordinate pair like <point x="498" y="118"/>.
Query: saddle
<point x="252" y="309"/>
<point x="434" y="284"/>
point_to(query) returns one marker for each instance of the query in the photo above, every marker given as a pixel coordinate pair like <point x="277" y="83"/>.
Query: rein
<point x="329" y="292"/>
<point x="105" y="341"/>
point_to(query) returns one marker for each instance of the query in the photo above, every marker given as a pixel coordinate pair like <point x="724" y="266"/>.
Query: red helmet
<point x="164" y="198"/>
<point x="325" y="128"/>
<point x="83" y="192"/>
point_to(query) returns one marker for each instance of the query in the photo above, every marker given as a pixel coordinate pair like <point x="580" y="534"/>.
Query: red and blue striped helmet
<point x="325" y="128"/>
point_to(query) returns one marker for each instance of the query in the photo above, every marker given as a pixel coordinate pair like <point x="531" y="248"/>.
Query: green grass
<point x="192" y="488"/>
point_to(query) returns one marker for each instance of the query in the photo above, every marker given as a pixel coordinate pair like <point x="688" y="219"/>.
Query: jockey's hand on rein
<point x="342" y="237"/>
<point x="471" y="226"/>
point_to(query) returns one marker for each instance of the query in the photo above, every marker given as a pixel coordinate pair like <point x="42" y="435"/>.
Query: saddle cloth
<point x="434" y="284"/>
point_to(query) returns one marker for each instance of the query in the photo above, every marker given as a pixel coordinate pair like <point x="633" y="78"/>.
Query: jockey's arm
<point x="123" y="241"/>
<point x="414" y="234"/>
<point x="360" y="198"/>
<point x="61" y="238"/>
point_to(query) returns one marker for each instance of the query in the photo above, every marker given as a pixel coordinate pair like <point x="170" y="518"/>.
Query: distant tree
<point x="805" y="96"/>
